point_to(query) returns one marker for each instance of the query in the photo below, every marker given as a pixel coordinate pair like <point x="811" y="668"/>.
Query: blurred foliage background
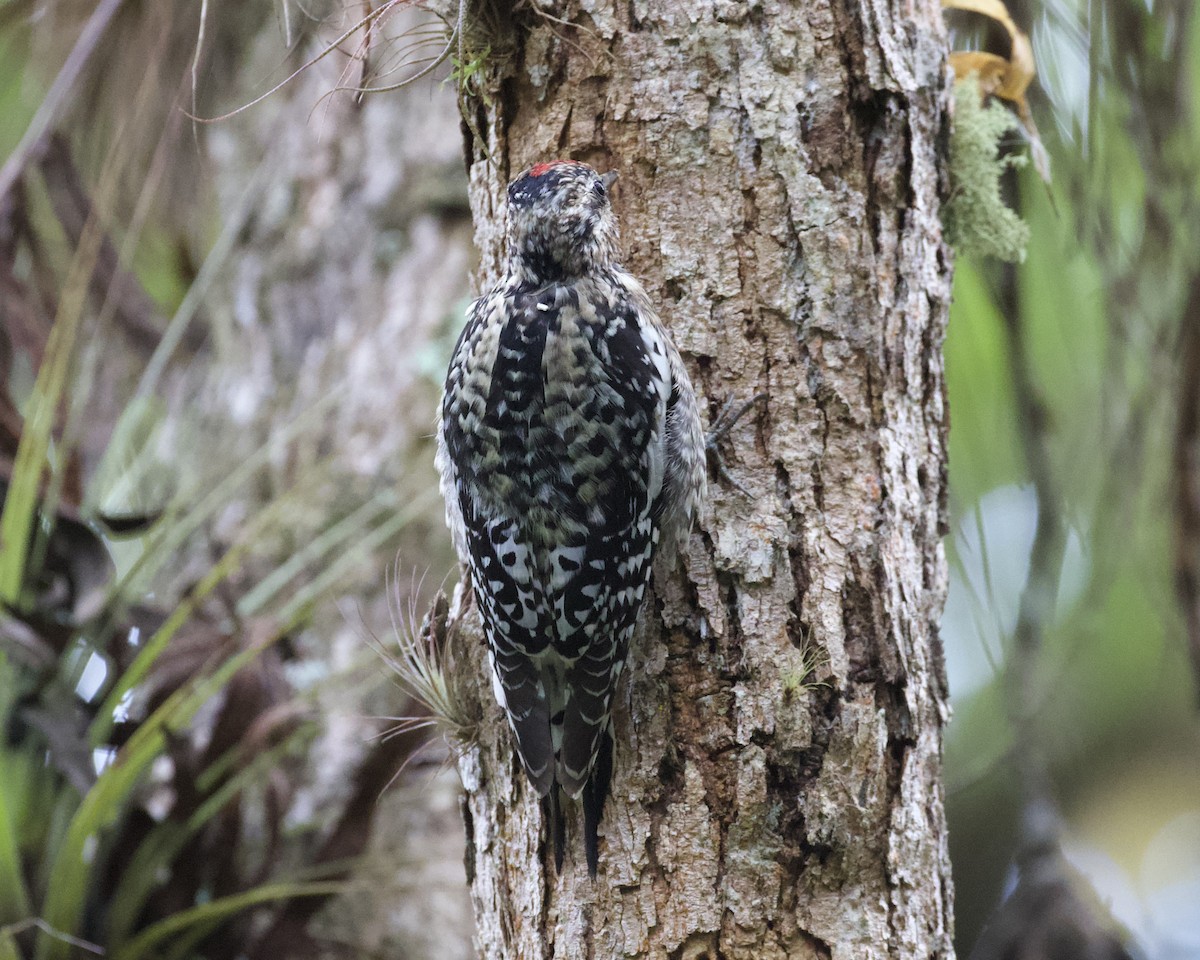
<point x="226" y="341"/>
<point x="221" y="351"/>
<point x="1073" y="387"/>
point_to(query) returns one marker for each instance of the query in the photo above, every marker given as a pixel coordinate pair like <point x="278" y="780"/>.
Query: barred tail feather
<point x="595" y="792"/>
<point x="587" y="716"/>
<point x="519" y="690"/>
<point x="552" y="811"/>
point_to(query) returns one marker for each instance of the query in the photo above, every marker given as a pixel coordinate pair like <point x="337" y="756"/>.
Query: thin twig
<point x="363" y="24"/>
<point x="56" y="97"/>
<point x="1039" y="597"/>
<point x="196" y="66"/>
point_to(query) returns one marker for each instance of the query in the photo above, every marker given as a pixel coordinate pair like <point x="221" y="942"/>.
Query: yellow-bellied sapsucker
<point x="570" y="450"/>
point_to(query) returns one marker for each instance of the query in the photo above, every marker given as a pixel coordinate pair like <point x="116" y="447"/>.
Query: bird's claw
<point x="725" y="422"/>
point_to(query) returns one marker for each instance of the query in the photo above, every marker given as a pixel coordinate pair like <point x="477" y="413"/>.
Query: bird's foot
<point x="725" y="422"/>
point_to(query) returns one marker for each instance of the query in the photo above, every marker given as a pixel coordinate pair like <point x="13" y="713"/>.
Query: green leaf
<point x="365" y="547"/>
<point x="985" y="447"/>
<point x="334" y="538"/>
<point x="220" y="909"/>
<point x="8" y="946"/>
<point x="173" y="530"/>
<point x="20" y="502"/>
<point x="163" y="844"/>
<point x="14" y="898"/>
<point x="106" y="800"/>
<point x="221" y="570"/>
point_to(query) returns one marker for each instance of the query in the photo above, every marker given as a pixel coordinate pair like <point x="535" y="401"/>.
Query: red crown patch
<point x="540" y="168"/>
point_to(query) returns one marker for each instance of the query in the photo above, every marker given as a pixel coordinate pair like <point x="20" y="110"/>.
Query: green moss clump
<point x="976" y="219"/>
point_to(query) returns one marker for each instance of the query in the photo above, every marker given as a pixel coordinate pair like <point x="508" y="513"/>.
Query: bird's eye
<point x="598" y="189"/>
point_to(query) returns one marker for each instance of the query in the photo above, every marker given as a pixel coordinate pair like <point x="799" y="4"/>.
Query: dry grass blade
<point x="37" y="923"/>
<point x="424" y="665"/>
<point x="364" y="24"/>
<point x="394" y="55"/>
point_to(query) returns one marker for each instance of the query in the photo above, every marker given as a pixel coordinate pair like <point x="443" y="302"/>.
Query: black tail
<point x="595" y="792"/>
<point x="553" y="811"/>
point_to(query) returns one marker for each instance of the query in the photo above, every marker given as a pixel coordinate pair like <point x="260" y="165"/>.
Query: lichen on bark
<point x="777" y="791"/>
<point x="978" y="222"/>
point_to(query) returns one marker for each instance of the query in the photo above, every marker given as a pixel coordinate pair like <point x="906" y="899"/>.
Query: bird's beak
<point x="609" y="179"/>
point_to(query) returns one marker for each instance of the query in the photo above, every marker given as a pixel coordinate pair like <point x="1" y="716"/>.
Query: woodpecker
<point x="570" y="451"/>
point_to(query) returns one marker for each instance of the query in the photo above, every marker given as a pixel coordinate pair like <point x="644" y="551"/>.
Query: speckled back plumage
<point x="570" y="450"/>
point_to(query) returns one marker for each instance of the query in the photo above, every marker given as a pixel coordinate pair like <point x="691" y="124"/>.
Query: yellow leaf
<point x="1008" y="79"/>
<point x="992" y="70"/>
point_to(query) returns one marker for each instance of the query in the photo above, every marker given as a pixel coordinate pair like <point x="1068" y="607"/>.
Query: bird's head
<point x="560" y="222"/>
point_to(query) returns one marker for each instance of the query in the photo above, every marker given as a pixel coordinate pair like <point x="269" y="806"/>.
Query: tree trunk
<point x="777" y="788"/>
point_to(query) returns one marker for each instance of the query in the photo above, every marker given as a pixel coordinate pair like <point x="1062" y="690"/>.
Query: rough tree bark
<point x="777" y="790"/>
